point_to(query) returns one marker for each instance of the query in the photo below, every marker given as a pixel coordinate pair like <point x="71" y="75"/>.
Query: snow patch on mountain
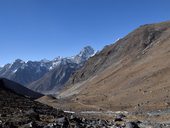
<point x="15" y="70"/>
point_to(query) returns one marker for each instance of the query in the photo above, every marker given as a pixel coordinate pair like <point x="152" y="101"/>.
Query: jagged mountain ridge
<point x="28" y="72"/>
<point x="54" y="80"/>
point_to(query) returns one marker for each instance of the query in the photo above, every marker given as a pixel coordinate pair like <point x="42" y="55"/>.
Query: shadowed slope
<point x="19" y="89"/>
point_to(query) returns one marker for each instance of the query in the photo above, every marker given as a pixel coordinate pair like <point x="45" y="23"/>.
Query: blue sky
<point x="37" y="29"/>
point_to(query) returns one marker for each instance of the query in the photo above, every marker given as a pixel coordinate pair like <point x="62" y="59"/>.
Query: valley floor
<point x="148" y="119"/>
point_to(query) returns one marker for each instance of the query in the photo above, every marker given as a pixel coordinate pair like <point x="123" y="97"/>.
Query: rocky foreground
<point x="21" y="112"/>
<point x="18" y="111"/>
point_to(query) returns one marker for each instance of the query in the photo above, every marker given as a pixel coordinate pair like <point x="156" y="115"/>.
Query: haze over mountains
<point x="55" y="72"/>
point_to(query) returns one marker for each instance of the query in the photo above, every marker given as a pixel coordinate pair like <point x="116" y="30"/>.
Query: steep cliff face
<point x="131" y="74"/>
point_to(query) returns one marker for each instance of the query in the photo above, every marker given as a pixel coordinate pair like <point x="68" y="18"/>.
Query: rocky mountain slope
<point x="54" y="72"/>
<point x="132" y="74"/>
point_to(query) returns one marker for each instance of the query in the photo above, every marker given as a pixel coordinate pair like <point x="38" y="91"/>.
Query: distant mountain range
<point x="45" y="75"/>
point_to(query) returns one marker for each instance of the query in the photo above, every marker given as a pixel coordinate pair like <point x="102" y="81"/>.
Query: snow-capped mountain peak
<point x="84" y="54"/>
<point x="86" y="51"/>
